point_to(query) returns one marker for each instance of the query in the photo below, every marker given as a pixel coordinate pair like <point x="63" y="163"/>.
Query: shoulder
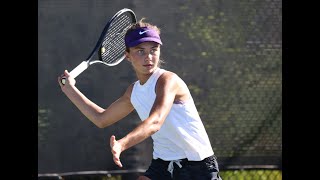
<point x="168" y="76"/>
<point x="128" y="92"/>
<point x="168" y="79"/>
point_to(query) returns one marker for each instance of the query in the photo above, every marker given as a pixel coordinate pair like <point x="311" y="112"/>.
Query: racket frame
<point x="86" y="63"/>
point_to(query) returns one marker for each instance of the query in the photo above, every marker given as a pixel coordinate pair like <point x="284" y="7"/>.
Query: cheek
<point x="156" y="56"/>
<point x="136" y="60"/>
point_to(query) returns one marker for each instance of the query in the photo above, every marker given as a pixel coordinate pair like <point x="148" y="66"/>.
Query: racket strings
<point x="113" y="43"/>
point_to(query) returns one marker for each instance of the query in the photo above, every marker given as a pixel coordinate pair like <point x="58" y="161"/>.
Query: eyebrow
<point x="140" y="47"/>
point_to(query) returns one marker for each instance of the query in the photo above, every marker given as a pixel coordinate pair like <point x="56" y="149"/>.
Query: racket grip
<point x="77" y="70"/>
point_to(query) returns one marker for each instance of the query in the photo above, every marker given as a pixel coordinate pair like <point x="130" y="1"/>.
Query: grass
<point x="251" y="175"/>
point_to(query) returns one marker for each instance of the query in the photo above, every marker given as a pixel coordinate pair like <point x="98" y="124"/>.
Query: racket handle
<point x="77" y="70"/>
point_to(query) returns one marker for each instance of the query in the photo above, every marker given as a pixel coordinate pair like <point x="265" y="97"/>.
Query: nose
<point x="148" y="57"/>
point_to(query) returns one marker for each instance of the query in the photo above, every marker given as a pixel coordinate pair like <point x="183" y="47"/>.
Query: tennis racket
<point x="111" y="45"/>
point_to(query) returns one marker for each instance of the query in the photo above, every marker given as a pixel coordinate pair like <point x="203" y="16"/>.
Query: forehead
<point x="149" y="44"/>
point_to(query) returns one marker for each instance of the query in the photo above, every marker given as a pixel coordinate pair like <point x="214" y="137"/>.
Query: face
<point x="144" y="57"/>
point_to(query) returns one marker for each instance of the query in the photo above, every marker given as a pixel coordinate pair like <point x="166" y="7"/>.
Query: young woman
<point x="181" y="147"/>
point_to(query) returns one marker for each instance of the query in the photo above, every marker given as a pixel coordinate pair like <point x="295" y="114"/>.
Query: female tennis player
<point x="181" y="146"/>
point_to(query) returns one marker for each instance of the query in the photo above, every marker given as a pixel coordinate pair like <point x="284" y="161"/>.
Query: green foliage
<point x="251" y="175"/>
<point x="239" y="95"/>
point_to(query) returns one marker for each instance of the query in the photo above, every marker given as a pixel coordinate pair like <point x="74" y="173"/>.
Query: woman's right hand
<point x="67" y="79"/>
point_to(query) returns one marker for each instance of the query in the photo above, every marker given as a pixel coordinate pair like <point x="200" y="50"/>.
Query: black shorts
<point x="206" y="169"/>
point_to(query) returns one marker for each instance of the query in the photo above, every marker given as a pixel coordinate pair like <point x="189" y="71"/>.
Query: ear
<point x="127" y="56"/>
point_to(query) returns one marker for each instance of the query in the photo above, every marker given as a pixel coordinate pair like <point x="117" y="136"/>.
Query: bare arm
<point x="166" y="90"/>
<point x="99" y="116"/>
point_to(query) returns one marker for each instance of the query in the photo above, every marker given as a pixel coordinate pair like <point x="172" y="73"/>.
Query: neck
<point x="143" y="78"/>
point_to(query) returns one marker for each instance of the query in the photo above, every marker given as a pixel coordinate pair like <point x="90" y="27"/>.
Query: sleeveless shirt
<point x="182" y="134"/>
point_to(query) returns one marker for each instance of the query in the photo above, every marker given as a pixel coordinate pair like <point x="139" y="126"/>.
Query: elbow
<point x="100" y="125"/>
<point x="100" y="122"/>
<point x="153" y="131"/>
<point x="155" y="127"/>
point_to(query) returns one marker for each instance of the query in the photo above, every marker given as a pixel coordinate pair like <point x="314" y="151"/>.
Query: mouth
<point x="148" y="65"/>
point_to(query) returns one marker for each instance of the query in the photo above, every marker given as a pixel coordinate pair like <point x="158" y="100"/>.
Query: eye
<point x="140" y="52"/>
<point x="153" y="51"/>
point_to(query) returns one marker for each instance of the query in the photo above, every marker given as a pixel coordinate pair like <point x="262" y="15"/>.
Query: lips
<point x="148" y="65"/>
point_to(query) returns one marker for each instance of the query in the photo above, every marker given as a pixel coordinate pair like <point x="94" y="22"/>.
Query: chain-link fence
<point x="231" y="174"/>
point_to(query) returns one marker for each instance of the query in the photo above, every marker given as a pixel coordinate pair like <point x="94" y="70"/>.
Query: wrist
<point x="123" y="143"/>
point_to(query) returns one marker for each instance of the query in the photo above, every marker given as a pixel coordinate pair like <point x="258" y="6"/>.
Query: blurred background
<point x="228" y="52"/>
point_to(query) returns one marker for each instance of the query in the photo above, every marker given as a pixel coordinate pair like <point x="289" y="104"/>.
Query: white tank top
<point x="182" y="134"/>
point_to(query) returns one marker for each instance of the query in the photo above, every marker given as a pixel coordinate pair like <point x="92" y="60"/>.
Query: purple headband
<point x="141" y="35"/>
